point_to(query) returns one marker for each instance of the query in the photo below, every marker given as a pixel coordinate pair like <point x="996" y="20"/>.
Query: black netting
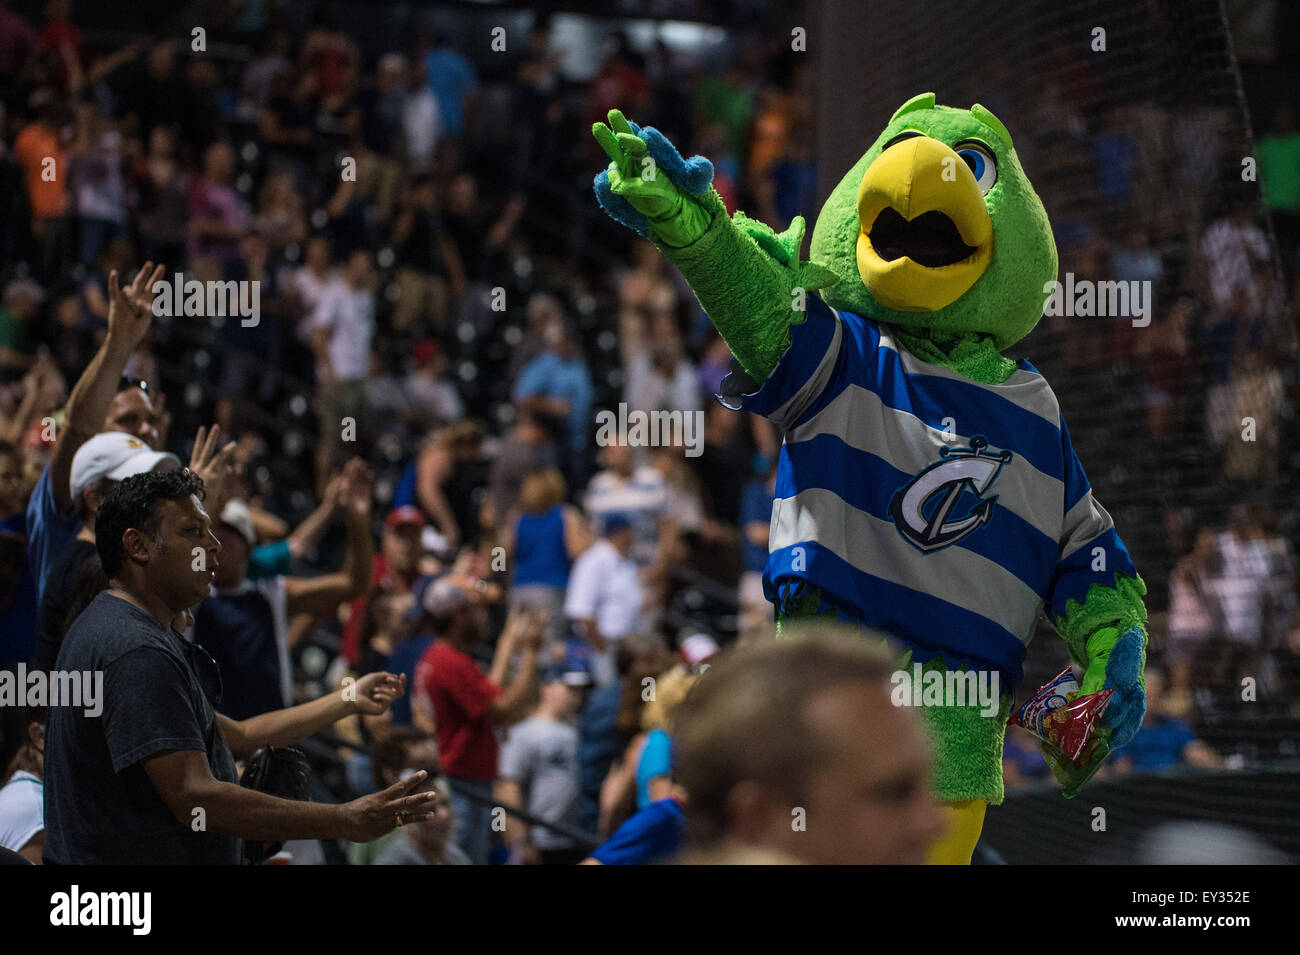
<point x="1137" y="150"/>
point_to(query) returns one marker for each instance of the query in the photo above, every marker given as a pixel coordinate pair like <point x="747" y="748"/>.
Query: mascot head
<point x="936" y="227"/>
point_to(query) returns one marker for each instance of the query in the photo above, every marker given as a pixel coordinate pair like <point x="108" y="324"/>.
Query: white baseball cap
<point x="237" y="515"/>
<point x="116" y="455"/>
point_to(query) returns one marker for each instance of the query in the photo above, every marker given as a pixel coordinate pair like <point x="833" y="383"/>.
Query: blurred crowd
<point x="399" y="452"/>
<point x="399" y="444"/>
<point x="1182" y="422"/>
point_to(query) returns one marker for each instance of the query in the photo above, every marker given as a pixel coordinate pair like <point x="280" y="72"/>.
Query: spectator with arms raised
<point x="98" y="403"/>
<point x="245" y="624"/>
<point x="467" y="706"/>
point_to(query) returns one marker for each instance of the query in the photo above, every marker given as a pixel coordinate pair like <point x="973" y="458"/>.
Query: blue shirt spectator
<point x="1159" y="744"/>
<point x="540" y="554"/>
<point x="402" y="661"/>
<point x="655" y="833"/>
<point x="599" y="744"/>
<point x="655" y="761"/>
<point x="17" y="593"/>
<point x="451" y="77"/>
<point x="755" y="508"/>
<point x="795" y="185"/>
<point x="1115" y="154"/>
<point x="551" y="376"/>
<point x="48" y="532"/>
<point x="1027" y="761"/>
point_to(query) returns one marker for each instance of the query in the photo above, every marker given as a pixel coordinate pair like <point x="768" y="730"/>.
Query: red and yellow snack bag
<point x="1068" y="727"/>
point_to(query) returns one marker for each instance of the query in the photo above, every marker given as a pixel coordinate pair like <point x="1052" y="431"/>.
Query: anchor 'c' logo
<point x="935" y="490"/>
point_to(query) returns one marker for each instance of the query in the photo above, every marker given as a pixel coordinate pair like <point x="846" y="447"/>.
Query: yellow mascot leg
<point x="965" y="820"/>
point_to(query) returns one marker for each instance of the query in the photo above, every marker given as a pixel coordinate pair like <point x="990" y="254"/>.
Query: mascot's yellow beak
<point x="926" y="231"/>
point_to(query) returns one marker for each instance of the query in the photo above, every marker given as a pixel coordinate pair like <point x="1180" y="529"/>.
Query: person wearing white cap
<point x="97" y="403"/>
<point x="76" y="576"/>
<point x="113" y="456"/>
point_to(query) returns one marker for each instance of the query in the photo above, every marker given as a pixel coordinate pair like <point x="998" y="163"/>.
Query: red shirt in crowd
<point x="460" y="694"/>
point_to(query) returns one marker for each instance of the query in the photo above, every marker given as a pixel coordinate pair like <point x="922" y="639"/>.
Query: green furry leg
<point x="966" y="744"/>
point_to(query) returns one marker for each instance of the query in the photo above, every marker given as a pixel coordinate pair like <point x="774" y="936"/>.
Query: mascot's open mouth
<point x="931" y="239"/>
<point x="925" y="234"/>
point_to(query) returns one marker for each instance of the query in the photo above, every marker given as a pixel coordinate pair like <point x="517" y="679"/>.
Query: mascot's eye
<point x="980" y="159"/>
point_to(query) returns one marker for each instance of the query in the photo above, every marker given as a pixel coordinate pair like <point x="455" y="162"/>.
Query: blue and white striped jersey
<point x="944" y="511"/>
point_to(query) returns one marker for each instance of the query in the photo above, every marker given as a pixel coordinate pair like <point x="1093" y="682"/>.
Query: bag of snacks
<point x="1068" y="727"/>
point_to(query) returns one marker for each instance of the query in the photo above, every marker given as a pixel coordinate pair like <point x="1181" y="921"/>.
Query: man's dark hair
<point x="134" y="503"/>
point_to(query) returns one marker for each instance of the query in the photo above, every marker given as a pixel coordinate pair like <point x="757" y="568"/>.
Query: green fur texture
<point x="975" y="356"/>
<point x="751" y="284"/>
<point x="967" y="745"/>
<point x="1007" y="301"/>
<point x="1112" y="608"/>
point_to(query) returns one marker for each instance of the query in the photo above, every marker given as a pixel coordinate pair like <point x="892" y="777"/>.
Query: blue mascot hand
<point x="693" y="176"/>
<point x="1115" y="662"/>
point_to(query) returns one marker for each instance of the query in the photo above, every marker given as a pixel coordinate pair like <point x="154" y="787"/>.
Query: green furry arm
<point x="1119" y="607"/>
<point x="746" y="277"/>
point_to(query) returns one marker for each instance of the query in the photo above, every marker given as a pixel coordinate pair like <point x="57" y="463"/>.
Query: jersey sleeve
<point x="1091" y="551"/>
<point x="532" y="379"/>
<point x="48" y="532"/>
<point x="801" y="374"/>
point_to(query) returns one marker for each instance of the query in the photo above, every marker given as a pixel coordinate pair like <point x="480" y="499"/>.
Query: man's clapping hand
<point x="370" y="817"/>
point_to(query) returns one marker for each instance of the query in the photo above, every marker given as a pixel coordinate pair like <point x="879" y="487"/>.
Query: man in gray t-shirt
<point x="100" y="803"/>
<point x="143" y="770"/>
<point x="539" y="771"/>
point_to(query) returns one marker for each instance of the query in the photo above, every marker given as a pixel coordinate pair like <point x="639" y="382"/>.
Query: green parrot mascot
<point x="927" y="486"/>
